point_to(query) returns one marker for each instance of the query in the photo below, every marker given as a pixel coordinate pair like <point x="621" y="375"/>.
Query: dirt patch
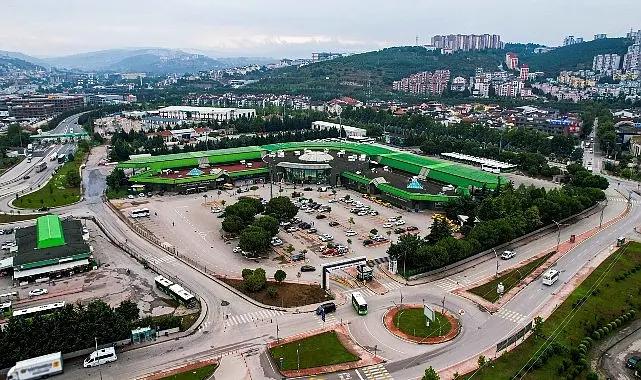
<point x="288" y="294"/>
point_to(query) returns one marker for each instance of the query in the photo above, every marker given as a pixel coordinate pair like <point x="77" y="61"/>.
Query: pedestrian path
<point x="446" y="284"/>
<point x="622" y="200"/>
<point x="511" y="316"/>
<point x="377" y="372"/>
<point x="159" y="260"/>
<point x="260" y="315"/>
<point x="391" y="285"/>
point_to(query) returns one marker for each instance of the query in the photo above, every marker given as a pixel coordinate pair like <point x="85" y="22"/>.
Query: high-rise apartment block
<point x="607" y="63"/>
<point x="634" y="35"/>
<point x="571" y="40"/>
<point x="424" y="82"/>
<point x="511" y="61"/>
<point x="600" y="36"/>
<point x="632" y="59"/>
<point x="465" y="42"/>
<point x="524" y="72"/>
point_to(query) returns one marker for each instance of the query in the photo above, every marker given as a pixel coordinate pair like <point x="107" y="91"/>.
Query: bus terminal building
<point x="50" y="249"/>
<point x="404" y="179"/>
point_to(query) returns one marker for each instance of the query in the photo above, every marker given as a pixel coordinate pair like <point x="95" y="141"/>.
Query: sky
<point x="290" y="28"/>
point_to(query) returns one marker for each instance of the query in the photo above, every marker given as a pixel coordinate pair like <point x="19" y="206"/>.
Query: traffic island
<point x="194" y="371"/>
<point x="408" y="322"/>
<point x="320" y="351"/>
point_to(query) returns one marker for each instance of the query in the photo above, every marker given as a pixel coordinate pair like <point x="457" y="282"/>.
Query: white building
<point x="205" y="113"/>
<point x="606" y="62"/>
<point x="347" y="131"/>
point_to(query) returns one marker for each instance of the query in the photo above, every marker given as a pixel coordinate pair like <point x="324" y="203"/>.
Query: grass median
<point x="509" y="279"/>
<point x="314" y="351"/>
<point x="201" y="373"/>
<point x="59" y="190"/>
<point x="554" y="351"/>
<point x="412" y="322"/>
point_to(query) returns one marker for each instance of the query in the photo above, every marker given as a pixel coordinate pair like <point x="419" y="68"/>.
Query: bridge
<point x="59" y="135"/>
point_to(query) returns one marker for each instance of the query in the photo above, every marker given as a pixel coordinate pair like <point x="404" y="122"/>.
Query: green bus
<point x="359" y="303"/>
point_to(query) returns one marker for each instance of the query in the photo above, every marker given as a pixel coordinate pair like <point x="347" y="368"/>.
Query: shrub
<point x="272" y="292"/>
<point x="592" y="376"/>
<point x="596" y="334"/>
<point x="602" y="332"/>
<point x="583" y="363"/>
<point x="246" y="273"/>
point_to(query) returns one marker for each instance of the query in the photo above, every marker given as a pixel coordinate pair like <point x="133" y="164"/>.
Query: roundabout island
<point x="408" y="322"/>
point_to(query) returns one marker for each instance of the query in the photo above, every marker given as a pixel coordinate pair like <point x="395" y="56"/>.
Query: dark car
<point x="307" y="189"/>
<point x="321" y="216"/>
<point x="399" y="230"/>
<point x="333" y="223"/>
<point x="327" y="306"/>
<point x="307" y="268"/>
<point x="632" y="361"/>
<point x="412" y="228"/>
<point x="368" y="242"/>
<point x="304" y="225"/>
<point x="221" y="215"/>
<point x="43" y="209"/>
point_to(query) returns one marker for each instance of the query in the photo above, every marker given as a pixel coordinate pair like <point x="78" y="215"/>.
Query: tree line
<point x="493" y="219"/>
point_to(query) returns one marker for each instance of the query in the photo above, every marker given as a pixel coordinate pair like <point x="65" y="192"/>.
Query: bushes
<point x="254" y="281"/>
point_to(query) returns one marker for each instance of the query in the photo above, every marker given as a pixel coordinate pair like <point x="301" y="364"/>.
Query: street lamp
<point x="558" y="238"/>
<point x="99" y="367"/>
<point x="298" y="356"/>
<point x="603" y="209"/>
<point x="497" y="262"/>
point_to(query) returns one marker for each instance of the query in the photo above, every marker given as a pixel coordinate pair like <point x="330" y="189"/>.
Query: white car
<point x="506" y="255"/>
<point x="276" y="242"/>
<point x="392" y="220"/>
<point x="326" y="237"/>
<point x="331" y="201"/>
<point x="216" y="210"/>
<point x="284" y="224"/>
<point x="141" y="195"/>
<point x="37" y="292"/>
<point x="388" y="225"/>
<point x="400" y="222"/>
<point x="130" y="196"/>
<point x="292" y="229"/>
<point x="362" y="213"/>
<point x="237" y="250"/>
<point x="350" y="233"/>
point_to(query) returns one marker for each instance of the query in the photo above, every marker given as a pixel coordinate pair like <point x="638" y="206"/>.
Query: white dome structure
<point x="316" y="157"/>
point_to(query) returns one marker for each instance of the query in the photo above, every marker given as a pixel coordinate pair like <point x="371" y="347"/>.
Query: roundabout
<point x="408" y="323"/>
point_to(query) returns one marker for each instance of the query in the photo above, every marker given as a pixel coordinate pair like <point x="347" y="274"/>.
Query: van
<point x="329" y="307"/>
<point x="228" y="186"/>
<point x="100" y="357"/>
<point x="550" y="276"/>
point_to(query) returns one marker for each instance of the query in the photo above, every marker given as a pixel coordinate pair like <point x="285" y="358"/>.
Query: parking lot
<point x="187" y="222"/>
<point x="119" y="277"/>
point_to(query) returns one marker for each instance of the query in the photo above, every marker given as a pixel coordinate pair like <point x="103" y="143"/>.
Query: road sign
<point x="500" y="288"/>
<point x="429" y="315"/>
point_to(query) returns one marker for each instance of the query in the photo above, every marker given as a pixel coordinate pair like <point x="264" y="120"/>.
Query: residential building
<point x="459" y="84"/>
<point x="524" y="72"/>
<point x="634" y="35"/>
<point x="511" y="61"/>
<point x="345" y="130"/>
<point x="43" y="106"/>
<point x="319" y="57"/>
<point x="424" y="82"/>
<point x="600" y="36"/>
<point x="632" y="59"/>
<point x="571" y="40"/>
<point x="510" y="88"/>
<point x="466" y="42"/>
<point x="606" y="63"/>
<point x="205" y="113"/>
<point x="551" y="123"/>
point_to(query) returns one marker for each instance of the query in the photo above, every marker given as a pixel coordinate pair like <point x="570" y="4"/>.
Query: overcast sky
<point x="290" y="28"/>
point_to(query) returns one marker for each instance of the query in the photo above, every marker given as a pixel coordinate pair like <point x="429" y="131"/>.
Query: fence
<point x="513" y="338"/>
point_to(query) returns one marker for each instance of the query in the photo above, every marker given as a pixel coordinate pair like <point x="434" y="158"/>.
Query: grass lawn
<point x="201" y="373"/>
<point x="315" y="351"/>
<point x="607" y="300"/>
<point x="288" y="294"/>
<point x="116" y="194"/>
<point x="509" y="279"/>
<point x="412" y="322"/>
<point x="10" y="218"/>
<point x="56" y="192"/>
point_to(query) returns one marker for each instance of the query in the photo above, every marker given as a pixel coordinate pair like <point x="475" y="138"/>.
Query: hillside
<point x="9" y="63"/>
<point x="350" y="75"/>
<point x="154" y="64"/>
<point x="574" y="57"/>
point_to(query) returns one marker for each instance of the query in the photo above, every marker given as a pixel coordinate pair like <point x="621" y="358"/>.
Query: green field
<point x="509" y="279"/>
<point x="412" y="322"/>
<point x="56" y="192"/>
<point x="201" y="373"/>
<point x="613" y="288"/>
<point x="315" y="351"/>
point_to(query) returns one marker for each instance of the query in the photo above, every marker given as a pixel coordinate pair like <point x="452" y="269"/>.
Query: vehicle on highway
<point x="307" y="268"/>
<point x="388" y="225"/>
<point x="41" y="166"/>
<point x="26" y="177"/>
<point x="292" y="229"/>
<point x="327" y="307"/>
<point x="334" y="223"/>
<point x="400" y="222"/>
<point x="359" y="303"/>
<point x="350" y="233"/>
<point x="321" y="216"/>
<point x="506" y="255"/>
<point x="36" y="368"/>
<point x="100" y="357"/>
<point x="632" y="361"/>
<point x="550" y="277"/>
<point x="37" y="292"/>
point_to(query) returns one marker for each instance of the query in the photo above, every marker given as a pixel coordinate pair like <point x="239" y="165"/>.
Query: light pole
<point x="298" y="356"/>
<point x="496" y="256"/>
<point x="558" y="237"/>
<point x="603" y="209"/>
<point x="99" y="367"/>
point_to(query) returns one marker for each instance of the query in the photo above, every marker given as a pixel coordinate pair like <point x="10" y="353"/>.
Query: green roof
<point x="179" y="160"/>
<point x="400" y="193"/>
<point x="49" y="229"/>
<point x="356" y="177"/>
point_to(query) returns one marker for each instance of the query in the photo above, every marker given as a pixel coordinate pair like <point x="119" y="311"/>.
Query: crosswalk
<point x="391" y="285"/>
<point x="366" y="292"/>
<point x="329" y="319"/>
<point x="622" y="200"/>
<point x="447" y="284"/>
<point x="376" y="372"/>
<point x="159" y="260"/>
<point x="511" y="316"/>
<point x="261" y="315"/>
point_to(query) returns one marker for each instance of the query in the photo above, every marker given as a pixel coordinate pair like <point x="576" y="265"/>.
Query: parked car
<point x="388" y="225"/>
<point x="43" y="209"/>
<point x="37" y="292"/>
<point x="321" y="216"/>
<point x="307" y="268"/>
<point x="632" y="361"/>
<point x="8" y="245"/>
<point x="392" y="220"/>
<point x="412" y="228"/>
<point x="284" y="224"/>
<point x="362" y="213"/>
<point x="367" y="242"/>
<point x="326" y="237"/>
<point x="130" y="196"/>
<point x="292" y="229"/>
<point x="312" y="230"/>
<point x="506" y="255"/>
<point x="350" y="233"/>
<point x="237" y="250"/>
<point x="276" y="242"/>
<point x="400" y="222"/>
<point x="141" y="195"/>
<point x="334" y="223"/>
<point x="216" y="210"/>
<point x="373" y="212"/>
<point x="399" y="230"/>
<point x="331" y="201"/>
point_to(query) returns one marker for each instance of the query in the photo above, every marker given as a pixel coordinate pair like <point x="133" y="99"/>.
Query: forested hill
<point x="573" y="57"/>
<point x="350" y="75"/>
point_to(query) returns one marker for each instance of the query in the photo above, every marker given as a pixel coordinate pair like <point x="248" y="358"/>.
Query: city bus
<point x="176" y="291"/>
<point x="140" y="212"/>
<point x="5" y="309"/>
<point x="41" y="166"/>
<point x="359" y="303"/>
<point x="39" y="310"/>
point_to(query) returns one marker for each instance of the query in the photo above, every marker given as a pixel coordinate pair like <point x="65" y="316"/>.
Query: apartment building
<point x="511" y="61"/>
<point x="606" y="63"/>
<point x="632" y="59"/>
<point x="43" y="106"/>
<point x="454" y="42"/>
<point x="424" y="82"/>
<point x="205" y="113"/>
<point x="571" y="40"/>
<point x="524" y="72"/>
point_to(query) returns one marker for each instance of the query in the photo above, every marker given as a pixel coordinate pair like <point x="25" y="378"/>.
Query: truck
<point x="53" y="157"/>
<point x="41" y="166"/>
<point x="30" y="148"/>
<point x="36" y="368"/>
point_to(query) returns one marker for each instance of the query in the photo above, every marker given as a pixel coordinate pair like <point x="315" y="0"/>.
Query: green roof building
<point x="49" y="229"/>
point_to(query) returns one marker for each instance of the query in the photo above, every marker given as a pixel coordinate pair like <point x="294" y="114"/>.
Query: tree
<point x="430" y="374"/>
<point x="268" y="224"/>
<point x="117" y="179"/>
<point x="73" y="178"/>
<point x="280" y="276"/>
<point x="255" y="240"/>
<point x="349" y="242"/>
<point x="128" y="310"/>
<point x="255" y="281"/>
<point x="246" y="273"/>
<point x="440" y="229"/>
<point x="373" y="231"/>
<point x="281" y="208"/>
<point x="254" y="188"/>
<point x="233" y="224"/>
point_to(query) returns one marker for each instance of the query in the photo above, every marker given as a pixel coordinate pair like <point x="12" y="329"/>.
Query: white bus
<point x="359" y="303"/>
<point x="550" y="276"/>
<point x="41" y="166"/>
<point x="140" y="212"/>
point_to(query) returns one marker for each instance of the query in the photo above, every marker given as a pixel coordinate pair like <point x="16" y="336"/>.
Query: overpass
<point x="59" y="135"/>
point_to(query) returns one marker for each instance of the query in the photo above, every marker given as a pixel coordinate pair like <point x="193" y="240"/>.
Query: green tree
<point x="233" y="224"/>
<point x="255" y="281"/>
<point x="281" y="208"/>
<point x="117" y="180"/>
<point x="128" y="310"/>
<point x="255" y="240"/>
<point x="280" y="276"/>
<point x="430" y="374"/>
<point x="254" y="188"/>
<point x="440" y="229"/>
<point x="73" y="178"/>
<point x="268" y="224"/>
